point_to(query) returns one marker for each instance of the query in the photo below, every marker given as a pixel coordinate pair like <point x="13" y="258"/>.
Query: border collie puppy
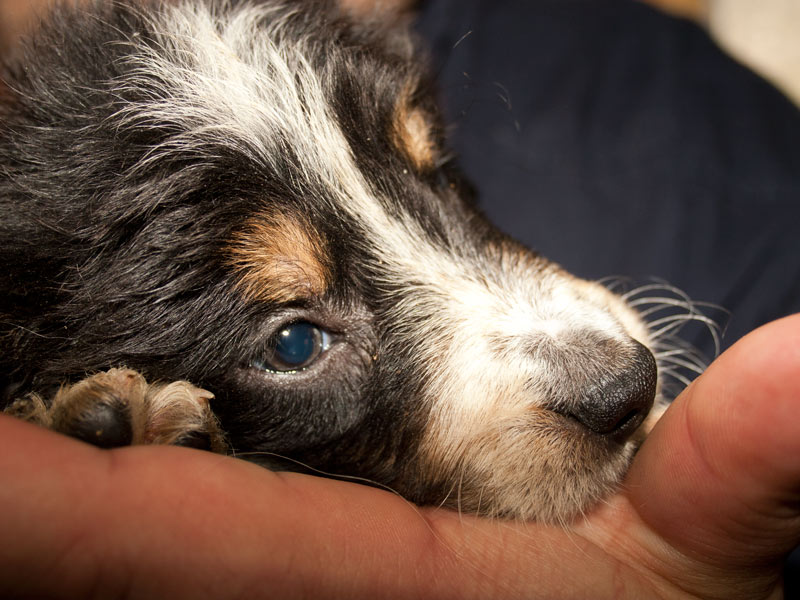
<point x="254" y="197"/>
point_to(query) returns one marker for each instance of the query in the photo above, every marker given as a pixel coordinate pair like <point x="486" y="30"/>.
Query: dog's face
<point x="255" y="197"/>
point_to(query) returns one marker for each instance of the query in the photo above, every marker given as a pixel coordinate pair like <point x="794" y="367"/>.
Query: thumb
<point x="719" y="479"/>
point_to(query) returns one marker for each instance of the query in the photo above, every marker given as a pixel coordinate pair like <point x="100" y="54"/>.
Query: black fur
<point x="107" y="265"/>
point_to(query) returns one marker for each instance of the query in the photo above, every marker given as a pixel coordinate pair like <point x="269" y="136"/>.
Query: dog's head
<point x="255" y="196"/>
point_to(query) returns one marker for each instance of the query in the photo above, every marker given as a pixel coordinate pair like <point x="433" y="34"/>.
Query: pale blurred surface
<point x="765" y="35"/>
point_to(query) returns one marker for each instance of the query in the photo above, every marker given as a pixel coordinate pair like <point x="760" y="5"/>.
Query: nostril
<point x="617" y="406"/>
<point x="609" y="417"/>
<point x="632" y="416"/>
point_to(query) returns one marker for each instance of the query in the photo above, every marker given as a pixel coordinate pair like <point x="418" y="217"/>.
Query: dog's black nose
<point x="616" y="407"/>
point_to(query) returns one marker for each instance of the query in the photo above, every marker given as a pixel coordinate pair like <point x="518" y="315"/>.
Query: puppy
<point x="255" y="197"/>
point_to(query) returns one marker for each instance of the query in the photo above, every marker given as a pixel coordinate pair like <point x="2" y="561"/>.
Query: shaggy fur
<point x="184" y="183"/>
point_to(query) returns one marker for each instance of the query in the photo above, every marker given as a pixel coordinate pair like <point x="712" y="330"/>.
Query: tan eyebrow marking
<point x="280" y="258"/>
<point x="413" y="133"/>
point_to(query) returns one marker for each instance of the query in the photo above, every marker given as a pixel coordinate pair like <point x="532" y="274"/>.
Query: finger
<point x="719" y="478"/>
<point x="169" y="522"/>
<point x="77" y="522"/>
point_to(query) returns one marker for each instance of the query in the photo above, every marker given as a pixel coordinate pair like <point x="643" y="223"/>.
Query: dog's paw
<point x="119" y="408"/>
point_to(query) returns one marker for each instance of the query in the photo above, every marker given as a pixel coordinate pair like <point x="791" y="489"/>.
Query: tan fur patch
<point x="281" y="259"/>
<point x="413" y="134"/>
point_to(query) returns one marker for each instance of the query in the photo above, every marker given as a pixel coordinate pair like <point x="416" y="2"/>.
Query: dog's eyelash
<point x="443" y="179"/>
<point x="445" y="162"/>
<point x="444" y="173"/>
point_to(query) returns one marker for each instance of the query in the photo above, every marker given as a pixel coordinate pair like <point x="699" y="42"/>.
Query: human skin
<point x="709" y="509"/>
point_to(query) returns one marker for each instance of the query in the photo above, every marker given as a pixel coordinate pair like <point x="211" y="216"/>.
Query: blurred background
<point x="654" y="140"/>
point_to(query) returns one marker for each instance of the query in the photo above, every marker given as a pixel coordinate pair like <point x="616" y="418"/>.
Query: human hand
<point x="708" y="510"/>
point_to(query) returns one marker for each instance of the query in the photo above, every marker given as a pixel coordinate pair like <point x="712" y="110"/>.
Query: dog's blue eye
<point x="295" y="347"/>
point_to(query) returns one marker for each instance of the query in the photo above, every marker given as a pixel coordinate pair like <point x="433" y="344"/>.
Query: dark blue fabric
<point x="619" y="141"/>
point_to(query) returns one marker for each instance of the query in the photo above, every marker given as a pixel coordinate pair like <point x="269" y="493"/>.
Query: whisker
<point x="447" y="496"/>
<point x="675" y="375"/>
<point x="614" y="282"/>
<point x="698" y="364"/>
<point x="670" y="346"/>
<point x="667" y="310"/>
<point x="660" y="303"/>
<point x="698" y="317"/>
<point x="458" y="498"/>
<point x="316" y="471"/>
<point x="480" y="498"/>
<point x="355" y="479"/>
<point x="686" y="364"/>
<point x="656" y="286"/>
